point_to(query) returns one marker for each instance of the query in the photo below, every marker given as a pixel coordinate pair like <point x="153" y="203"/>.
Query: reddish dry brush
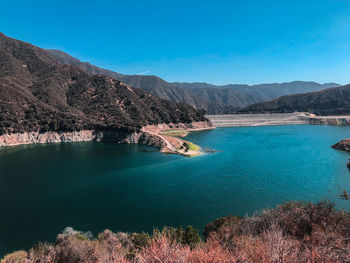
<point x="293" y="232"/>
<point x="162" y="249"/>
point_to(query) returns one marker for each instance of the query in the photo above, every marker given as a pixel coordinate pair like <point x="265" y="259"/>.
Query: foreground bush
<point x="293" y="232"/>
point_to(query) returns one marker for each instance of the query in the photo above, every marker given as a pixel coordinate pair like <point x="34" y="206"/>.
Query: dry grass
<point x="175" y="133"/>
<point x="293" y="232"/>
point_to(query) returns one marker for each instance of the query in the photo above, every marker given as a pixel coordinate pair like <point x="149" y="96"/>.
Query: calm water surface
<point x="94" y="186"/>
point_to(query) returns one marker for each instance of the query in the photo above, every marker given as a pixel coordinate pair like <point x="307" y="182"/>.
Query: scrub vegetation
<point x="293" y="232"/>
<point x="189" y="146"/>
<point x="192" y="147"/>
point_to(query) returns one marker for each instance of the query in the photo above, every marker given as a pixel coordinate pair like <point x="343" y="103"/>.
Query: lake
<point x="94" y="186"/>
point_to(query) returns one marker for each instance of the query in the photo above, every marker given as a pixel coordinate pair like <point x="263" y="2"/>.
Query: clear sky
<point x="215" y="41"/>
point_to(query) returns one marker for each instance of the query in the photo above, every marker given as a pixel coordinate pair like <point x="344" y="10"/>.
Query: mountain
<point x="208" y="99"/>
<point x="39" y="94"/>
<point x="333" y="101"/>
<point x="151" y="84"/>
<point x="213" y="99"/>
<point x="241" y="95"/>
<point x="226" y="96"/>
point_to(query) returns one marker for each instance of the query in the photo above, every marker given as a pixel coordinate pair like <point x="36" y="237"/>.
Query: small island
<point x="343" y="145"/>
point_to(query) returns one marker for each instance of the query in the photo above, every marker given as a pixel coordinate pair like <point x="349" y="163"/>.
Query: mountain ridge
<point x="214" y="99"/>
<point x="149" y="83"/>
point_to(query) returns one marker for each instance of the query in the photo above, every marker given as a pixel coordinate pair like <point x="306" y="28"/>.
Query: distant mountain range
<point x="333" y="101"/>
<point x="39" y="94"/>
<point x="244" y="95"/>
<point x="213" y="99"/>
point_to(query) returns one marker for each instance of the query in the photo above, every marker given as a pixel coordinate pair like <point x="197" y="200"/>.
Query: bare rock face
<point x="343" y="145"/>
<point x="48" y="137"/>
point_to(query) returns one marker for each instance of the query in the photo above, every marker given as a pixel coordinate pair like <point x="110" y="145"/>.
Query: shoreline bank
<point x="149" y="135"/>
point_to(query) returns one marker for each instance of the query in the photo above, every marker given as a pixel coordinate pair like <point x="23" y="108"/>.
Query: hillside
<point x="227" y="96"/>
<point x="151" y="84"/>
<point x="333" y="101"/>
<point x="39" y="94"/>
<point x="213" y="99"/>
<point x="242" y="95"/>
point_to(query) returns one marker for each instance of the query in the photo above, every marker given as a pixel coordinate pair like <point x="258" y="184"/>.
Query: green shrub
<point x="188" y="236"/>
<point x="140" y="240"/>
<point x="191" y="237"/>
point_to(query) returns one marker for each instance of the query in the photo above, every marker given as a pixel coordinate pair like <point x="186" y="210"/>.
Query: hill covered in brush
<point x="333" y="101"/>
<point x="39" y="94"/>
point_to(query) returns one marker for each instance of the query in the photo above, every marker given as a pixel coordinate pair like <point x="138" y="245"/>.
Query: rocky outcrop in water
<point x="343" y="145"/>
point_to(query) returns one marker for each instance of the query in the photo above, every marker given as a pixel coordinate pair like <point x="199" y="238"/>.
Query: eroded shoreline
<point x="149" y="135"/>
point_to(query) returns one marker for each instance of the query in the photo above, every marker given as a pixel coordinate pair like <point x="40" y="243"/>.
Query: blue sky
<point x="218" y="41"/>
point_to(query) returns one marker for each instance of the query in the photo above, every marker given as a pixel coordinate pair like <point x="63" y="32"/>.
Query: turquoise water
<point x="94" y="186"/>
